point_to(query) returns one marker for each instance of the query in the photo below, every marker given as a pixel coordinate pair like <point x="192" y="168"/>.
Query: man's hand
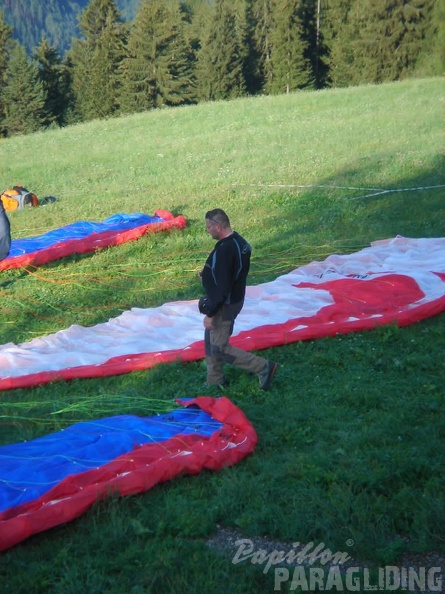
<point x="208" y="324"/>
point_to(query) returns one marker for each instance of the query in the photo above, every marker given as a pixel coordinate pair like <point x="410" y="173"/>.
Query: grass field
<point x="350" y="449"/>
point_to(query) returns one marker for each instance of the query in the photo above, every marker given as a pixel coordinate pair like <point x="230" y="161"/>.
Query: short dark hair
<point x="217" y="215"/>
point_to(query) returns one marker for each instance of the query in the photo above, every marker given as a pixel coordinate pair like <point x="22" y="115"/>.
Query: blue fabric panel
<point x="30" y="469"/>
<point x="80" y="230"/>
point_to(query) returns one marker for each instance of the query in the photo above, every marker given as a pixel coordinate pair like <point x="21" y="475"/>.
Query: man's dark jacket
<point x="5" y="233"/>
<point x="225" y="273"/>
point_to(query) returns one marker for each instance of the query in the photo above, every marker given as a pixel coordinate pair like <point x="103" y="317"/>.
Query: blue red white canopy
<point x="53" y="479"/>
<point x="85" y="236"/>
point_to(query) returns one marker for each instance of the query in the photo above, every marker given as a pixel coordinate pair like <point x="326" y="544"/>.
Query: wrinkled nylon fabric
<point x="398" y="280"/>
<point x="31" y="468"/>
<point x="54" y="479"/>
<point x="85" y="236"/>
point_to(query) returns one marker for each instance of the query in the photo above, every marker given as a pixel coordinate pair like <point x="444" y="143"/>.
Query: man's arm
<point x="220" y="281"/>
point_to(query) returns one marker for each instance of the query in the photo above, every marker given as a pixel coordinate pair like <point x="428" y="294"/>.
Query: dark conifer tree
<point x="431" y="58"/>
<point x="6" y="46"/>
<point x="338" y="32"/>
<point x="96" y="60"/>
<point x="409" y="29"/>
<point x="96" y="17"/>
<point x="55" y="77"/>
<point x="220" y="67"/>
<point x="377" y="40"/>
<point x="24" y="95"/>
<point x="244" y="22"/>
<point x="157" y="69"/>
<point x="389" y="39"/>
<point x="262" y="16"/>
<point x="290" y="57"/>
<point x="198" y="13"/>
<point x="198" y="16"/>
<point x="315" y="18"/>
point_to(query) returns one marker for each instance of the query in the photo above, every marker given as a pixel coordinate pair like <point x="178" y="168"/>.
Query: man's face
<point x="213" y="228"/>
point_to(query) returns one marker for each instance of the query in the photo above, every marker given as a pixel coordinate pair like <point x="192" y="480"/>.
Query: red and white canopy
<point x="397" y="280"/>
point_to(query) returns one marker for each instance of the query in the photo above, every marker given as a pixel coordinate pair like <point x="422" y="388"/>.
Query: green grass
<point x="350" y="434"/>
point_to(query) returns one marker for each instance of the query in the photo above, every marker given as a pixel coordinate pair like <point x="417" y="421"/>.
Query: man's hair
<point x="217" y="215"/>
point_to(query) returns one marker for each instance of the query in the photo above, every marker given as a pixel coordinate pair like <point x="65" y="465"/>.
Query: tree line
<point x="177" y="52"/>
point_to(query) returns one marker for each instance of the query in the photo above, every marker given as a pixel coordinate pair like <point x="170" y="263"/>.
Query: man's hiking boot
<point x="266" y="376"/>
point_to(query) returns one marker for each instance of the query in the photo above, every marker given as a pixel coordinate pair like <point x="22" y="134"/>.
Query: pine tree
<point x="378" y="40"/>
<point x="316" y="16"/>
<point x="96" y="17"/>
<point x="157" y="70"/>
<point x="198" y="17"/>
<point x="244" y="23"/>
<point x="220" y="67"/>
<point x="96" y="60"/>
<point x="339" y="32"/>
<point x="290" y="56"/>
<point x="197" y="14"/>
<point x="55" y="77"/>
<point x="388" y="41"/>
<point x="6" y="45"/>
<point x="410" y="28"/>
<point x="431" y="58"/>
<point x="24" y="95"/>
<point x="262" y="42"/>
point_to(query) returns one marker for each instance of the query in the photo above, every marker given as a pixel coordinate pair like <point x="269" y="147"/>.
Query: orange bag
<point x="18" y="197"/>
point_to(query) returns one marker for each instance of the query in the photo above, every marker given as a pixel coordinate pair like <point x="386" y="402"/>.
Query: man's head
<point x="217" y="223"/>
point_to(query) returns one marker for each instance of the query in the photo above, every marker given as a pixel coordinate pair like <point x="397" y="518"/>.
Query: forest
<point x="56" y="19"/>
<point x="128" y="57"/>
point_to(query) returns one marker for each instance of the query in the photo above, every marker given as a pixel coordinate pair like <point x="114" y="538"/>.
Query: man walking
<point x="224" y="279"/>
<point x="5" y="233"/>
